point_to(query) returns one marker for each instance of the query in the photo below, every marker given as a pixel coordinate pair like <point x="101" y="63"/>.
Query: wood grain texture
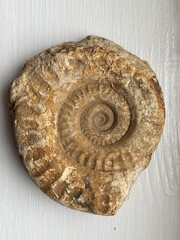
<point x="149" y="29"/>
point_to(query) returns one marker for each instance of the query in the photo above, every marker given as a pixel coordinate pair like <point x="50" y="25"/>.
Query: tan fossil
<point x="87" y="116"/>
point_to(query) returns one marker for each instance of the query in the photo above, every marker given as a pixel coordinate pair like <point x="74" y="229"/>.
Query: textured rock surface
<point x="87" y="116"/>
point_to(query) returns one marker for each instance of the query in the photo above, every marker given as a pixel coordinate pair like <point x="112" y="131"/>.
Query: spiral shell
<point x="87" y="116"/>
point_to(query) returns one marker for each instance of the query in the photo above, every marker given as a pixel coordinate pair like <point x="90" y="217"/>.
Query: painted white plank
<point x="149" y="29"/>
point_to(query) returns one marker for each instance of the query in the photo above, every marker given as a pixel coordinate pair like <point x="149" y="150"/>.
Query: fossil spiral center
<point x="101" y="117"/>
<point x="101" y="120"/>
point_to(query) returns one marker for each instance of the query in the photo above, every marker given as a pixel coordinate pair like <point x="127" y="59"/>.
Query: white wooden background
<point x="149" y="29"/>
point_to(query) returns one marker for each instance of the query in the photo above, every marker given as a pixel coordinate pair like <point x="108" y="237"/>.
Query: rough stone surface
<point x="87" y="116"/>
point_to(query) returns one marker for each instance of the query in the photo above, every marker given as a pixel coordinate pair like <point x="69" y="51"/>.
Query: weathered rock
<point x="87" y="116"/>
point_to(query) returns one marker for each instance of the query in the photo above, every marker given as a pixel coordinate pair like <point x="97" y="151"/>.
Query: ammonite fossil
<point x="87" y="116"/>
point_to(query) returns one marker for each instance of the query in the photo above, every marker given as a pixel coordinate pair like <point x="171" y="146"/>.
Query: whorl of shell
<point x="87" y="116"/>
